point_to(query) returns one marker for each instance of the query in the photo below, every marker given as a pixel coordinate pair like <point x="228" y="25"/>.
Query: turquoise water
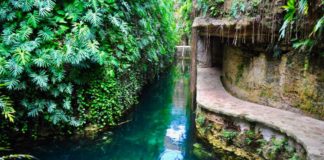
<point x="159" y="127"/>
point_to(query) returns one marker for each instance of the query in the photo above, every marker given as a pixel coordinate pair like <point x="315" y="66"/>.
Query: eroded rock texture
<point x="291" y="82"/>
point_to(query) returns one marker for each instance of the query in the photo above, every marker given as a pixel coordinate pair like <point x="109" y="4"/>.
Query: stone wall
<point x="234" y="138"/>
<point x="290" y="82"/>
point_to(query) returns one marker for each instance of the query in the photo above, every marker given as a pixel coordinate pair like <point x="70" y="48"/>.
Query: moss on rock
<point x="230" y="142"/>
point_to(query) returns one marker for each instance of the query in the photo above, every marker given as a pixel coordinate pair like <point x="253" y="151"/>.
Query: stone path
<point x="307" y="131"/>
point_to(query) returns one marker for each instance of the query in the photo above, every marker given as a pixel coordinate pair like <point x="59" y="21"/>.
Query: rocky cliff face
<point x="291" y="82"/>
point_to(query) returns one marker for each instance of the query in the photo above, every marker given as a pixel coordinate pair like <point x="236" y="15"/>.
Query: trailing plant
<point x="295" y="10"/>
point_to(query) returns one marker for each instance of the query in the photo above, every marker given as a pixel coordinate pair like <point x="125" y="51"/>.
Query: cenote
<point x="112" y="79"/>
<point x="158" y="128"/>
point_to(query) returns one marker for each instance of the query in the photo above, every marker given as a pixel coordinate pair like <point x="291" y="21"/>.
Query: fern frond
<point x="57" y="57"/>
<point x="25" y="32"/>
<point x="42" y="60"/>
<point x="119" y="23"/>
<point x="30" y="46"/>
<point x="11" y="16"/>
<point x="58" y="75"/>
<point x="93" y="46"/>
<point x="7" y="109"/>
<point x="51" y="106"/>
<point x="46" y="34"/>
<point x="33" y="19"/>
<point x="74" y="122"/>
<point x="73" y="11"/>
<point x="40" y="79"/>
<point x="9" y="38"/>
<point x="25" y="5"/>
<point x="4" y="10"/>
<point x="36" y="107"/>
<point x="94" y="18"/>
<point x="3" y="63"/>
<point x="22" y="56"/>
<point x="44" y="7"/>
<point x="11" y="83"/>
<point x="14" y="68"/>
<point x="65" y="88"/>
<point x="34" y="112"/>
<point x="69" y="89"/>
<point x="82" y="30"/>
<point x="58" y="116"/>
<point x="67" y="103"/>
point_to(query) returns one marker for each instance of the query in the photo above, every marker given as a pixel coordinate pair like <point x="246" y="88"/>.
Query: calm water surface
<point x="159" y="128"/>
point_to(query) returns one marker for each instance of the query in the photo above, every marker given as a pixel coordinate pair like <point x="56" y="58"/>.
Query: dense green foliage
<point x="81" y="61"/>
<point x="299" y="9"/>
<point x="111" y="98"/>
<point x="185" y="18"/>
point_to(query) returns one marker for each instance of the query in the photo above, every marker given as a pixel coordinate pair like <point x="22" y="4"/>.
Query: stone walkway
<point x="307" y="131"/>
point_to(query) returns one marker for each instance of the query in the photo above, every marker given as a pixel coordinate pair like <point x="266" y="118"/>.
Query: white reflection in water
<point x="176" y="133"/>
<point x="175" y="137"/>
<point x="169" y="154"/>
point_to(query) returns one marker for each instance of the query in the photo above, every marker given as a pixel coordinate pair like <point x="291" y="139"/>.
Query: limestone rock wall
<point x="290" y="82"/>
<point x="234" y="138"/>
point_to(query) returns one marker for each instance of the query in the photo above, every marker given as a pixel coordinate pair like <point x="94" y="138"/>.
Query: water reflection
<point x="175" y="138"/>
